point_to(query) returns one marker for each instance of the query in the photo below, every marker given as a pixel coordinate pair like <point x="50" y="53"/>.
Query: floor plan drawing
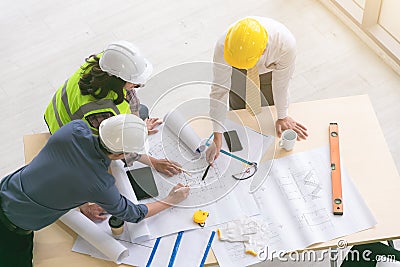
<point x="295" y="202"/>
<point x="301" y="184"/>
<point x="215" y="185"/>
<point x="318" y="218"/>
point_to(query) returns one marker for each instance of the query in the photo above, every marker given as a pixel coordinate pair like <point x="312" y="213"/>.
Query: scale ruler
<point x="337" y="200"/>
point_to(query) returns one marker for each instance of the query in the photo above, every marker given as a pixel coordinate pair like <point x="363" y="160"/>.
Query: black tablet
<point x="232" y="140"/>
<point x="143" y="184"/>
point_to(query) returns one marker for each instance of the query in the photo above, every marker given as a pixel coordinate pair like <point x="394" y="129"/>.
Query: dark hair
<point x="99" y="83"/>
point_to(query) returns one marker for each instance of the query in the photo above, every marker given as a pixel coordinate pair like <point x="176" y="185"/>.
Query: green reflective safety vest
<point x="69" y="104"/>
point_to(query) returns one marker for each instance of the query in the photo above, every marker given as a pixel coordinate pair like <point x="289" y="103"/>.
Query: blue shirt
<point x="69" y="171"/>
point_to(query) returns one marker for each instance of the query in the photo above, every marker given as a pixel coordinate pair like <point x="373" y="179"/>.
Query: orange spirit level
<point x="337" y="201"/>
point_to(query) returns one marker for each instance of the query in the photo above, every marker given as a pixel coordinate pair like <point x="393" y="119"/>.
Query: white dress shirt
<point x="278" y="57"/>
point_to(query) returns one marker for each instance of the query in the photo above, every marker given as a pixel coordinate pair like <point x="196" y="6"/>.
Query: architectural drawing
<point x="224" y="197"/>
<point x="315" y="218"/>
<point x="296" y="203"/>
<point x="301" y="184"/>
<point x="217" y="183"/>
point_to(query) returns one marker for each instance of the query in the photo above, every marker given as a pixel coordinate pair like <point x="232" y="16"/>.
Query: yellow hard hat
<point x="244" y="43"/>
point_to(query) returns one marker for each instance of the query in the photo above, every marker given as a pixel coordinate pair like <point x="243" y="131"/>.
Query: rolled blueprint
<point x="137" y="231"/>
<point x="89" y="231"/>
<point x="181" y="128"/>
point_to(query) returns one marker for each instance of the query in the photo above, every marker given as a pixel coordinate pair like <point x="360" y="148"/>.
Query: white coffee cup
<point x="288" y="140"/>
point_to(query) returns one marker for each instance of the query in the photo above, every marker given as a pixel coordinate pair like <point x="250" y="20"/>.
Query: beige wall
<point x="361" y="3"/>
<point x="379" y="22"/>
<point x="389" y="17"/>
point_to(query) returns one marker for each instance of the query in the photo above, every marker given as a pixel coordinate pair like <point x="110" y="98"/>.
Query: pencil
<point x="183" y="170"/>
<point x="180" y="168"/>
<point x="180" y="188"/>
<point x="205" y="173"/>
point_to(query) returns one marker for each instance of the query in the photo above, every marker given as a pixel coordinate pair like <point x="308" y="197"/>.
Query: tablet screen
<point x="143" y="184"/>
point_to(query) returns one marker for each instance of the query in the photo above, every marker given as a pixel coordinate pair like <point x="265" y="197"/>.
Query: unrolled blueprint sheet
<point x="219" y="180"/>
<point x="190" y="251"/>
<point x="231" y="200"/>
<point x="219" y="194"/>
<point x="254" y="144"/>
<point x="295" y="202"/>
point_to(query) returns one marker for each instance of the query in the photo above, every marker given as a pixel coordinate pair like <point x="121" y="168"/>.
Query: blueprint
<point x="295" y="202"/>
<point x="158" y="253"/>
<point x="222" y="196"/>
<point x="203" y="192"/>
<point x="219" y="180"/>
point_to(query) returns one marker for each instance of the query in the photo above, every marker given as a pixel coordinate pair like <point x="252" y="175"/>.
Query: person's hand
<point x="289" y="123"/>
<point x="177" y="194"/>
<point x="212" y="151"/>
<point x="151" y="124"/>
<point x="93" y="211"/>
<point x="166" y="166"/>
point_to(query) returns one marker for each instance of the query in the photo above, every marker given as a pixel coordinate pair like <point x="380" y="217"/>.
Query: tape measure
<point x="200" y="217"/>
<point x="337" y="200"/>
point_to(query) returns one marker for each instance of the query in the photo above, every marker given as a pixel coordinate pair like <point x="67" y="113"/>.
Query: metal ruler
<point x="337" y="200"/>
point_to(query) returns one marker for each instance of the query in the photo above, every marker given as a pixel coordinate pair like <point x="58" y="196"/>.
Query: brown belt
<point x="10" y="226"/>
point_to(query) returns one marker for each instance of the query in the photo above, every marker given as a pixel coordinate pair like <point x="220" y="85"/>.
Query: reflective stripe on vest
<point x="69" y="104"/>
<point x="88" y="107"/>
<point x="82" y="110"/>
<point x="58" y="119"/>
<point x="64" y="98"/>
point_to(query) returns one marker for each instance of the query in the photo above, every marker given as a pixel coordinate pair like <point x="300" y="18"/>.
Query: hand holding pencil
<point x="178" y="193"/>
<point x="167" y="167"/>
<point x="176" y="165"/>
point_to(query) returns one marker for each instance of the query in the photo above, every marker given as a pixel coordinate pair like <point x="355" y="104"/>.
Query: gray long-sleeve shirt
<point x="68" y="172"/>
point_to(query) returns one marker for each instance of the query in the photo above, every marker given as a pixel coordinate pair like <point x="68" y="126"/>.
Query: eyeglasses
<point x="129" y="86"/>
<point x="139" y="85"/>
<point x="248" y="172"/>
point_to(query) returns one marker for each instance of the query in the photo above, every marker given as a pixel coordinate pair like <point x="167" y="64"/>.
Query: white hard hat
<point x="124" y="60"/>
<point x="124" y="133"/>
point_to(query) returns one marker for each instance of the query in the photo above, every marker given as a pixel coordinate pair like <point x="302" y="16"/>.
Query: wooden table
<point x="52" y="244"/>
<point x="364" y="152"/>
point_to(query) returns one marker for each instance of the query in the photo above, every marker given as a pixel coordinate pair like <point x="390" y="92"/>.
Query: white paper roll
<point x="89" y="231"/>
<point x="181" y="128"/>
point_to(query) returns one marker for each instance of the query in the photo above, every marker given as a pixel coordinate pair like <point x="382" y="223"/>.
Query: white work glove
<point x="257" y="248"/>
<point x="237" y="231"/>
<point x="249" y="226"/>
<point x="257" y="245"/>
<point x="232" y="232"/>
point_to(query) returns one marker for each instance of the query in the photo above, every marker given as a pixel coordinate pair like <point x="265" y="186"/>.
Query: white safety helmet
<point x="124" y="133"/>
<point x="124" y="60"/>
